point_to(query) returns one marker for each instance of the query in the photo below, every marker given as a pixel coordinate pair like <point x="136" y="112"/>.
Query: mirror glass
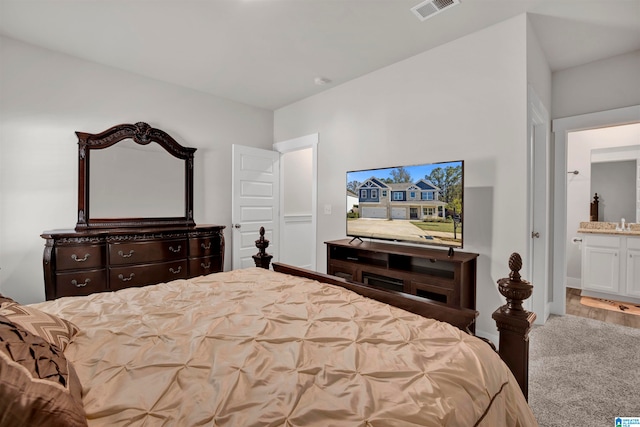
<point x="129" y="180"/>
<point x="614" y="177"/>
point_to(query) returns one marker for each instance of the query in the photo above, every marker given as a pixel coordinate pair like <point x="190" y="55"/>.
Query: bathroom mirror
<point x="615" y="178"/>
<point x="133" y="175"/>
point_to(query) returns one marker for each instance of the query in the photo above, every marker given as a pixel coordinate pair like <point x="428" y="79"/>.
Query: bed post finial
<point x="514" y="289"/>
<point x="262" y="258"/>
<point x="514" y="323"/>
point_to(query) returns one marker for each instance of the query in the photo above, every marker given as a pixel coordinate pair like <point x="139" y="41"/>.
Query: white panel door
<point x="255" y="187"/>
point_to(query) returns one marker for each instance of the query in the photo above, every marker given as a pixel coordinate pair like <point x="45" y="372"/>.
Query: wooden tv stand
<point x="425" y="272"/>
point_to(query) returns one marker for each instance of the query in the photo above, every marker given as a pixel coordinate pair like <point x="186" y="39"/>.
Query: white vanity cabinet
<point x="601" y="263"/>
<point x="633" y="266"/>
<point x="611" y="266"/>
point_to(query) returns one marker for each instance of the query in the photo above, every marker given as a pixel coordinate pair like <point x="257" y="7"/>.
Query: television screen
<point x="418" y="204"/>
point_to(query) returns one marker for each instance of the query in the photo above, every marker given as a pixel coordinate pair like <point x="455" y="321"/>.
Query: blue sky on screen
<point x="417" y="172"/>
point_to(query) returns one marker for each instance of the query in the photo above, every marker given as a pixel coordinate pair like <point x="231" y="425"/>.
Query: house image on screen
<point x="411" y="201"/>
<point x="352" y="202"/>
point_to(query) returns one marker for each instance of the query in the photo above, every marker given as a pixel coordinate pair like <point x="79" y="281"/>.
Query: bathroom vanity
<point x="610" y="261"/>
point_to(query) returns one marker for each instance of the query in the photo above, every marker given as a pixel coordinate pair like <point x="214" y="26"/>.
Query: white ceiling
<point x="267" y="53"/>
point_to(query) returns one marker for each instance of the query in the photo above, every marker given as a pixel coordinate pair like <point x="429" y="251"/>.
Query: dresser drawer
<point x="204" y="246"/>
<point x="80" y="283"/>
<point x="79" y="257"/>
<point x="146" y="274"/>
<point x="138" y="252"/>
<point x="205" y="265"/>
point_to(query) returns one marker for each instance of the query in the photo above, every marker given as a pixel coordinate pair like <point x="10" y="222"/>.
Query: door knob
<point x="535" y="234"/>
<point x="236" y="225"/>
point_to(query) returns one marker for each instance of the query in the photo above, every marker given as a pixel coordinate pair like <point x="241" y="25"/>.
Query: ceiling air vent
<point x="430" y="8"/>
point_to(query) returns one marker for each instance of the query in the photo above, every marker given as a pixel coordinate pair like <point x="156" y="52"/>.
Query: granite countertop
<point x="608" y="228"/>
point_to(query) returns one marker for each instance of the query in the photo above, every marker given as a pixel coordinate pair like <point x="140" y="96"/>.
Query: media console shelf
<point x="428" y="273"/>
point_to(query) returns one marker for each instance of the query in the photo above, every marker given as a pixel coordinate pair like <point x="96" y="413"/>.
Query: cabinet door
<point x="633" y="272"/>
<point x="601" y="269"/>
<point x="343" y="270"/>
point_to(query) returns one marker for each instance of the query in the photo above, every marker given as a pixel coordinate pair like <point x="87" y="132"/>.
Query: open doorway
<point x="298" y="205"/>
<point x="565" y="225"/>
<point x="282" y="199"/>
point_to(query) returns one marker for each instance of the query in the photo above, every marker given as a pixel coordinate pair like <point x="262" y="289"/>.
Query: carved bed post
<point x="262" y="259"/>
<point x="514" y="323"/>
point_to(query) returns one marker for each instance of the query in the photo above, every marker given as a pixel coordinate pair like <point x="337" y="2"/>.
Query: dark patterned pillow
<point x="38" y="386"/>
<point x="52" y="328"/>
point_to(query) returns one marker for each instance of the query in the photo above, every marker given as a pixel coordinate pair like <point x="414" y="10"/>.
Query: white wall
<point x="598" y="86"/>
<point x="579" y="196"/>
<point x="463" y="100"/>
<point x="538" y="71"/>
<point x="45" y="97"/>
<point x="296" y="167"/>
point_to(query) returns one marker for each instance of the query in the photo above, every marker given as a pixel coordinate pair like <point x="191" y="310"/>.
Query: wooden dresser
<point x="83" y="262"/>
<point x="135" y="223"/>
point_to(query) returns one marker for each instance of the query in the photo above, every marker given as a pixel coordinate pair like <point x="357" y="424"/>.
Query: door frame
<point x="561" y="129"/>
<point x="287" y="146"/>
<point x="538" y="140"/>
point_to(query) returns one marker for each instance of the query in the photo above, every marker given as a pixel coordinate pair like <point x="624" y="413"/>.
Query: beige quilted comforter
<point x="258" y="348"/>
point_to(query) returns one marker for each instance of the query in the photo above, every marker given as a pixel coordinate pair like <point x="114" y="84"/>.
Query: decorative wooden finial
<point x="514" y="289"/>
<point x="515" y="265"/>
<point x="262" y="258"/>
<point x="262" y="244"/>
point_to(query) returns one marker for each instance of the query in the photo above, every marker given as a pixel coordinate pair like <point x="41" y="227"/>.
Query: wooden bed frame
<point x="512" y="321"/>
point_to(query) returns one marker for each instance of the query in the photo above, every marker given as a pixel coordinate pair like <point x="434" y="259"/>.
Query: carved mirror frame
<point x="143" y="134"/>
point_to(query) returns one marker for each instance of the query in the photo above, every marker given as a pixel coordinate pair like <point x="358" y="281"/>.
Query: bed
<point x="250" y="347"/>
<point x="257" y="347"/>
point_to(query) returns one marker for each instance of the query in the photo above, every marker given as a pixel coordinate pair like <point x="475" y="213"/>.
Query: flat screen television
<point x="418" y="204"/>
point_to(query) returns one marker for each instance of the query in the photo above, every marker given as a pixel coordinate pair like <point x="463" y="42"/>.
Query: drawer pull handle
<point x="175" y="271"/>
<point x="123" y="255"/>
<point x="206" y="247"/>
<point x="205" y="266"/>
<point x="175" y="250"/>
<point x="126" y="279"/>
<point x="75" y="283"/>
<point x="75" y="258"/>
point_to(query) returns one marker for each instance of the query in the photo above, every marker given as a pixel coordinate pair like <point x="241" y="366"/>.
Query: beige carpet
<point x="583" y="372"/>
<point x="619" y="306"/>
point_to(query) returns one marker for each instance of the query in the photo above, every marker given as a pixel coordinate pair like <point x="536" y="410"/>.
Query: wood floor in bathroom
<point x="574" y="307"/>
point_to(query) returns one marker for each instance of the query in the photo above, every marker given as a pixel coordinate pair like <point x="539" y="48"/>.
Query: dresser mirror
<point x="133" y="175"/>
